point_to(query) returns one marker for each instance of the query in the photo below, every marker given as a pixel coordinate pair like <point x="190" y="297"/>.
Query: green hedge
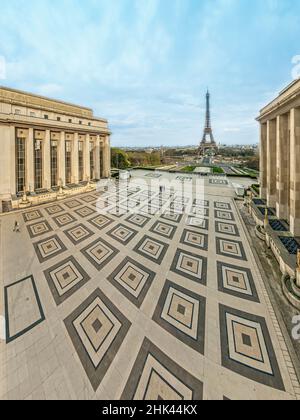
<point x="189" y="169"/>
<point x="256" y="188"/>
<point x="217" y="170"/>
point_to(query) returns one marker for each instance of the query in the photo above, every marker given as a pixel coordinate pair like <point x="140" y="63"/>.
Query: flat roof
<point x="22" y="92"/>
<point x="291" y="91"/>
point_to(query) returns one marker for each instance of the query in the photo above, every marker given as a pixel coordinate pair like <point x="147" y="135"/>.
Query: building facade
<point x="46" y="144"/>
<point x="280" y="155"/>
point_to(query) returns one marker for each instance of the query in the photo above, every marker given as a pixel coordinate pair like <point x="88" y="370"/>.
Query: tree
<point x="119" y="159"/>
<point x="253" y="163"/>
<point x="144" y="159"/>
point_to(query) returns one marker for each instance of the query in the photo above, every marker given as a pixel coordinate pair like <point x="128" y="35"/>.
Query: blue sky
<point x="146" y="64"/>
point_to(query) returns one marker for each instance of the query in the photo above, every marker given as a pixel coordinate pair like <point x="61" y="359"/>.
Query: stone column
<point x="12" y="160"/>
<point x="104" y="161"/>
<point x="271" y="164"/>
<point x="30" y="161"/>
<point x="87" y="163"/>
<point x="47" y="161"/>
<point x="106" y="158"/>
<point x="109" y="156"/>
<point x="7" y="162"/>
<point x="283" y="162"/>
<point x="100" y="158"/>
<point x="97" y="158"/>
<point x="75" y="163"/>
<point x="298" y="269"/>
<point x="295" y="172"/>
<point x="263" y="161"/>
<point x="62" y="159"/>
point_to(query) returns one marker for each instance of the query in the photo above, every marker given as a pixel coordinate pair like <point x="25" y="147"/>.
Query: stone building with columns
<point x="46" y="144"/>
<point x="277" y="210"/>
<point x="280" y="156"/>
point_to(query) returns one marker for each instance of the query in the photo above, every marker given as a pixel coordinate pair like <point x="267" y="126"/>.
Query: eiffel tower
<point x="208" y="143"/>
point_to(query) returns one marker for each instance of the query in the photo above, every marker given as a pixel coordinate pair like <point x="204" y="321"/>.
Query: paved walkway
<point x="138" y="295"/>
<point x="203" y="170"/>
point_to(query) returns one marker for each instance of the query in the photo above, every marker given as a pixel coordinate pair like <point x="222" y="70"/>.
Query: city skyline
<point x="146" y="65"/>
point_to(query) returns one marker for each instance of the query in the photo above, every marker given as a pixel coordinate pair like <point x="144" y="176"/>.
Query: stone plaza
<point x="139" y="290"/>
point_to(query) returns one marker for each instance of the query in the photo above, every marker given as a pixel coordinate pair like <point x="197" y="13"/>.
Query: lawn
<point x="189" y="169"/>
<point x="217" y="170"/>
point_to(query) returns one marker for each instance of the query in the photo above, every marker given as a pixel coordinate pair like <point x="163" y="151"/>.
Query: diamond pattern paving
<point x="97" y="329"/>
<point x="122" y="234"/>
<point x="39" y="229"/>
<point x="78" y="234"/>
<point x="191" y="266"/>
<point x="65" y="278"/>
<point x="134" y="293"/>
<point x="182" y="313"/>
<point x="152" y="249"/>
<point x="133" y="280"/>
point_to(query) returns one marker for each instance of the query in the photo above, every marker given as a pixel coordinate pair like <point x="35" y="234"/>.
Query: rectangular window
<point x="70" y="120"/>
<point x="46" y="117"/>
<point x="58" y="119"/>
<point x="32" y="114"/>
<point x="80" y="122"/>
<point x="17" y="111"/>
<point x="20" y="164"/>
<point x="68" y="162"/>
<point x="54" y="164"/>
<point x="92" y="164"/>
<point x="80" y="160"/>
<point x="38" y="165"/>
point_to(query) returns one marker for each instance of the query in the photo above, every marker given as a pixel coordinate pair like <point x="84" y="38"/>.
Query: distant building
<point x="47" y="143"/>
<point x="280" y="155"/>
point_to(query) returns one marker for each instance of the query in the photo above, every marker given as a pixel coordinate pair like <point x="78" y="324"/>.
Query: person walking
<point x="17" y="227"/>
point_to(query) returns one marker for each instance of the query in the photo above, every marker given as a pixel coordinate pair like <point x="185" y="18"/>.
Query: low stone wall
<point x="286" y="261"/>
<point x="51" y="197"/>
<point x="258" y="218"/>
<point x="259" y="233"/>
<point x="290" y="291"/>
